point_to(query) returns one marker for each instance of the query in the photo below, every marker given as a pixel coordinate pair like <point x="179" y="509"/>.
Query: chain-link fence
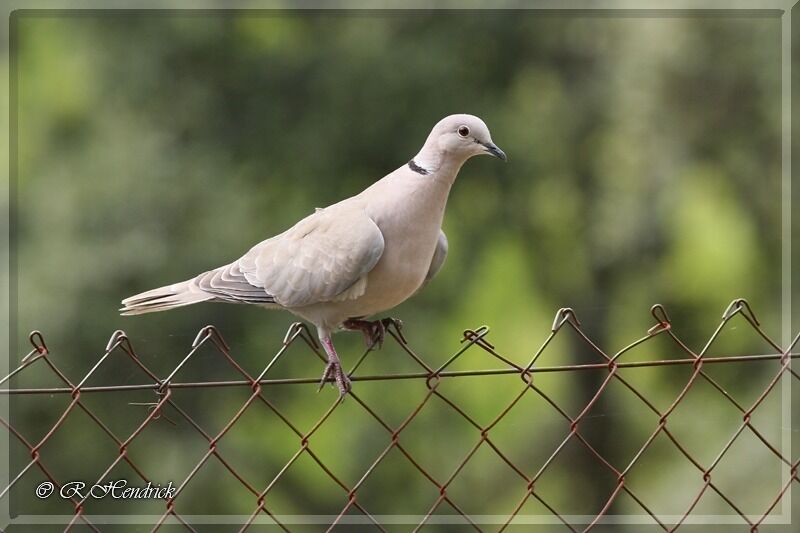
<point x="528" y="483"/>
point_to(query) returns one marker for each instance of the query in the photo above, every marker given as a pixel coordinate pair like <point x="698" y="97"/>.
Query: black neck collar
<point x="416" y="168"/>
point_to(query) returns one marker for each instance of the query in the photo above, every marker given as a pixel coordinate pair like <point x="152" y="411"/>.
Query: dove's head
<point x="455" y="139"/>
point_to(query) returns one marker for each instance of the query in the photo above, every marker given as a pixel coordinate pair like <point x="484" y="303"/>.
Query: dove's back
<point x="357" y="257"/>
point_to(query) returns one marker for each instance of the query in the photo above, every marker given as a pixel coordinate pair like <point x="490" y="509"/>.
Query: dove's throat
<point x="437" y="165"/>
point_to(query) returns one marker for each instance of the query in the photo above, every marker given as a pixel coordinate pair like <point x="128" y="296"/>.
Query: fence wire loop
<point x="477" y="336"/>
<point x="37" y="341"/>
<point x="211" y="333"/>
<point x="117" y="338"/>
<point x="662" y="319"/>
<point x="527" y="483"/>
<point x="740" y="305"/>
<point x="300" y="329"/>
<point x="564" y="315"/>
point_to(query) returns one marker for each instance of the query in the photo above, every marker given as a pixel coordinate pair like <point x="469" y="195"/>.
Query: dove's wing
<point x="324" y="257"/>
<point x="229" y="284"/>
<point x="439" y="256"/>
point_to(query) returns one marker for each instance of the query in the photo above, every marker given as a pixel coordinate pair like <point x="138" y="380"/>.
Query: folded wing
<point x="324" y="257"/>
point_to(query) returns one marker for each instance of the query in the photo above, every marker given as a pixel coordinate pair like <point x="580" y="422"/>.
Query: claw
<point x="378" y="334"/>
<point x="334" y="373"/>
<point x="326" y="375"/>
<point x="374" y="330"/>
<point x="333" y="370"/>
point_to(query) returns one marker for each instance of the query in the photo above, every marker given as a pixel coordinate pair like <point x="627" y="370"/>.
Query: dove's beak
<point x="492" y="149"/>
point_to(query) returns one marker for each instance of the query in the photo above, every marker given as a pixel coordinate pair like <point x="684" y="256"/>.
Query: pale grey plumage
<point x="323" y="258"/>
<point x="318" y="260"/>
<point x="361" y="256"/>
<point x="439" y="255"/>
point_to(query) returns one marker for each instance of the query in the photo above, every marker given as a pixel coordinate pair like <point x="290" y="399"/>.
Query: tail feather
<point x="164" y="298"/>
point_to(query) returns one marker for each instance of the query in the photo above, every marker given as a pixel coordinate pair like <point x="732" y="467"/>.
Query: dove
<point x="347" y="262"/>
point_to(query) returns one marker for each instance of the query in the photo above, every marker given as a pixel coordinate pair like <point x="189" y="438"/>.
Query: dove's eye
<point x="463" y="131"/>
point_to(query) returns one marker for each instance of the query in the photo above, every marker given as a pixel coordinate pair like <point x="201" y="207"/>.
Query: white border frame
<point x="784" y="518"/>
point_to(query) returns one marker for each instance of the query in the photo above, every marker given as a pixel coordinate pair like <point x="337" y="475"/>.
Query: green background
<point x="644" y="167"/>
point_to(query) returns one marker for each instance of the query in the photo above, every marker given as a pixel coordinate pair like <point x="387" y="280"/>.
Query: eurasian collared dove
<point x="344" y="263"/>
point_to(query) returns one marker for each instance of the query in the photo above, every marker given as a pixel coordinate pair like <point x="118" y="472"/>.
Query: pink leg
<point x="333" y="370"/>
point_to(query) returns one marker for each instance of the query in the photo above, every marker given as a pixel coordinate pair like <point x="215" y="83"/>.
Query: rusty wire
<point x="40" y="358"/>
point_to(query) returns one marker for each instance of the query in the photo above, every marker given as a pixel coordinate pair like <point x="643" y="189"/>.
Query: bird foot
<point x="335" y="373"/>
<point x="374" y="330"/>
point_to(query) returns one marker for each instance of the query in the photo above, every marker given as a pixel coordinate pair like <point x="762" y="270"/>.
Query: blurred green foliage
<point x="644" y="166"/>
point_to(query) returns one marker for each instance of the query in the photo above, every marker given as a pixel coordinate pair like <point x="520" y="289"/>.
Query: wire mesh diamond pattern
<point x="527" y="484"/>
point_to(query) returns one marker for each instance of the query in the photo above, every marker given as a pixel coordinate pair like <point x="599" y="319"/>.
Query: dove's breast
<point x="409" y="215"/>
<point x="410" y="223"/>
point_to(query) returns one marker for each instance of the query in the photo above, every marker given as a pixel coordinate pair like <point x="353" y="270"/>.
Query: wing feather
<point x="318" y="260"/>
<point x="229" y="284"/>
